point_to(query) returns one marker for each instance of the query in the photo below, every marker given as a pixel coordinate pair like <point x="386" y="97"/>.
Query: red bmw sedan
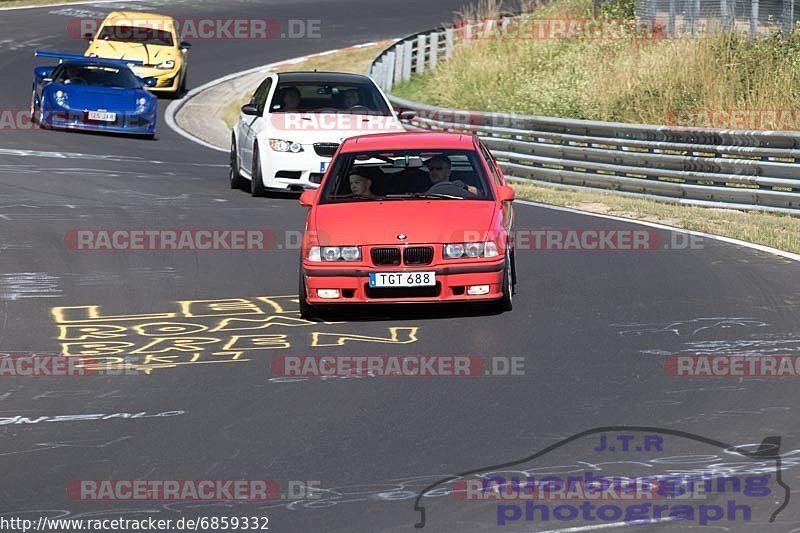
<point x="408" y="218"/>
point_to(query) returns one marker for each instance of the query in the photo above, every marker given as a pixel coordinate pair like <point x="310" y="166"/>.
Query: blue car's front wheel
<point x="34" y="107"/>
<point x="37" y="112"/>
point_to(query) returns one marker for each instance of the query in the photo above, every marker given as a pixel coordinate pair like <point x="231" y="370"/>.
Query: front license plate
<point x="323" y="165"/>
<point x="102" y="116"/>
<point x="402" y="279"/>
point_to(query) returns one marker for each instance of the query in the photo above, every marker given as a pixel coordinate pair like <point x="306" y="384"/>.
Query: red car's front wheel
<point x="506" y="303"/>
<point x="306" y="309"/>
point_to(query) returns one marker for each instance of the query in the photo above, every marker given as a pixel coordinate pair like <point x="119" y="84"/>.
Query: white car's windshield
<point x="320" y="97"/>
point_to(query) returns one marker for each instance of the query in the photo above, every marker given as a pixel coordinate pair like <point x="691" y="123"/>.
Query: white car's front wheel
<point x="257" y="183"/>
<point x="236" y="179"/>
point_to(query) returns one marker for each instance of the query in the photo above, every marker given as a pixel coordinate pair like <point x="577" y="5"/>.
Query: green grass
<point x="637" y="81"/>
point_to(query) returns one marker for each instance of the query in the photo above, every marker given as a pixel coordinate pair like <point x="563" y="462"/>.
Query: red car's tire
<point x="506" y="303"/>
<point x="306" y="309"/>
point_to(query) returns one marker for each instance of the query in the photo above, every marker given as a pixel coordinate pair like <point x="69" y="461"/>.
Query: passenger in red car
<point x="361" y="186"/>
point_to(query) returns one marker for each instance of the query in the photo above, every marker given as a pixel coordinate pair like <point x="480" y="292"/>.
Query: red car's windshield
<point x="407" y="174"/>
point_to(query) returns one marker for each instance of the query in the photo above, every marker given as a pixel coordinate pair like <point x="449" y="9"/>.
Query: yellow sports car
<point x="146" y="37"/>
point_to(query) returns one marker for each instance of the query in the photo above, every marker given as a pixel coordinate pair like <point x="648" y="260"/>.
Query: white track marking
<point x="729" y="240"/>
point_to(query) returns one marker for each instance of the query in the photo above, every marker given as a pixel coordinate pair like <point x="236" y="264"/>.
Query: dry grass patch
<point x="775" y="230"/>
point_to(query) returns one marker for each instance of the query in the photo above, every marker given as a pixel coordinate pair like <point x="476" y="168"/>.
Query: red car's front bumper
<point x="452" y="283"/>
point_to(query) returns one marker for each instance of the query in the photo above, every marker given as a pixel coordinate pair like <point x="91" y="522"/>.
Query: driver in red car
<point x="439" y="171"/>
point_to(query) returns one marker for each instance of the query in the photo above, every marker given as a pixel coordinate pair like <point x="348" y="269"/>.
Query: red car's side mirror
<point x="506" y="193"/>
<point x="308" y="197"/>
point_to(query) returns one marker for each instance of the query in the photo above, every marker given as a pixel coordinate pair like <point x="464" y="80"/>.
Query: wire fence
<point x="699" y="17"/>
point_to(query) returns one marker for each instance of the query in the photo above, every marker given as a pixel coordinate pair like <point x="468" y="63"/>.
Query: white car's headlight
<point x="281" y="145"/>
<point x="470" y="249"/>
<point x="166" y="65"/>
<point x="334" y="253"/>
<point x="61" y="98"/>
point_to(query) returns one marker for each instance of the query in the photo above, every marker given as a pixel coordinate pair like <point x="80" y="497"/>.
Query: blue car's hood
<point x="109" y="98"/>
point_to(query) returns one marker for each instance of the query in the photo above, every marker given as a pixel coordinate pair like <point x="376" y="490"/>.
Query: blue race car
<point x="91" y="93"/>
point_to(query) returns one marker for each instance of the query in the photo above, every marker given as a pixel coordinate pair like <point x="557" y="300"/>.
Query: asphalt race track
<point x="594" y="330"/>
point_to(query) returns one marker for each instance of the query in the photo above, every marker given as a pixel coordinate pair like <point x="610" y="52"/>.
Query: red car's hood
<point x="422" y="221"/>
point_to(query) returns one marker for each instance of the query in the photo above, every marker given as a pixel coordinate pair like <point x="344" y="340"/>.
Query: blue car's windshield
<point x="97" y="75"/>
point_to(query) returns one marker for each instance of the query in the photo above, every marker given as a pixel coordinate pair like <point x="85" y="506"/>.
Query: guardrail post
<point x="392" y="68"/>
<point x="408" y="56"/>
<point x="724" y="14"/>
<point x="388" y="70"/>
<point x="434" y="57"/>
<point x="421" y="54"/>
<point x="787" y="17"/>
<point x="448" y="43"/>
<point x="374" y="71"/>
<point x="753" y="19"/>
<point x="671" y="22"/>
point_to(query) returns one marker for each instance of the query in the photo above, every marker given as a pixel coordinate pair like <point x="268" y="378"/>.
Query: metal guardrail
<point x="741" y="169"/>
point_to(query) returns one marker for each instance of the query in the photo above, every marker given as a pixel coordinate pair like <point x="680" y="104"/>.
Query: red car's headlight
<point x="470" y="249"/>
<point x="334" y="253"/>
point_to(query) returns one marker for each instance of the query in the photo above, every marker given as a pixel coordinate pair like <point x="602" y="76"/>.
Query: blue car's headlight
<point x="142" y="104"/>
<point x="61" y="98"/>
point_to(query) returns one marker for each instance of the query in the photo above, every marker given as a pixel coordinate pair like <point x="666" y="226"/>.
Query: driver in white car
<point x="350" y="98"/>
<point x="291" y="99"/>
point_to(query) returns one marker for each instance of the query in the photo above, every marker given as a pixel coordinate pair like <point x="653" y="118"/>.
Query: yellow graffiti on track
<point x="200" y="332"/>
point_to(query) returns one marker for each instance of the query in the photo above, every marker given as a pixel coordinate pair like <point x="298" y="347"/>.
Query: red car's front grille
<point x="385" y="256"/>
<point x="412" y="256"/>
<point x="418" y="255"/>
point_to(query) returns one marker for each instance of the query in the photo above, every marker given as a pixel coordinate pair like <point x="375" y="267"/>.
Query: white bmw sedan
<point x="295" y="122"/>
